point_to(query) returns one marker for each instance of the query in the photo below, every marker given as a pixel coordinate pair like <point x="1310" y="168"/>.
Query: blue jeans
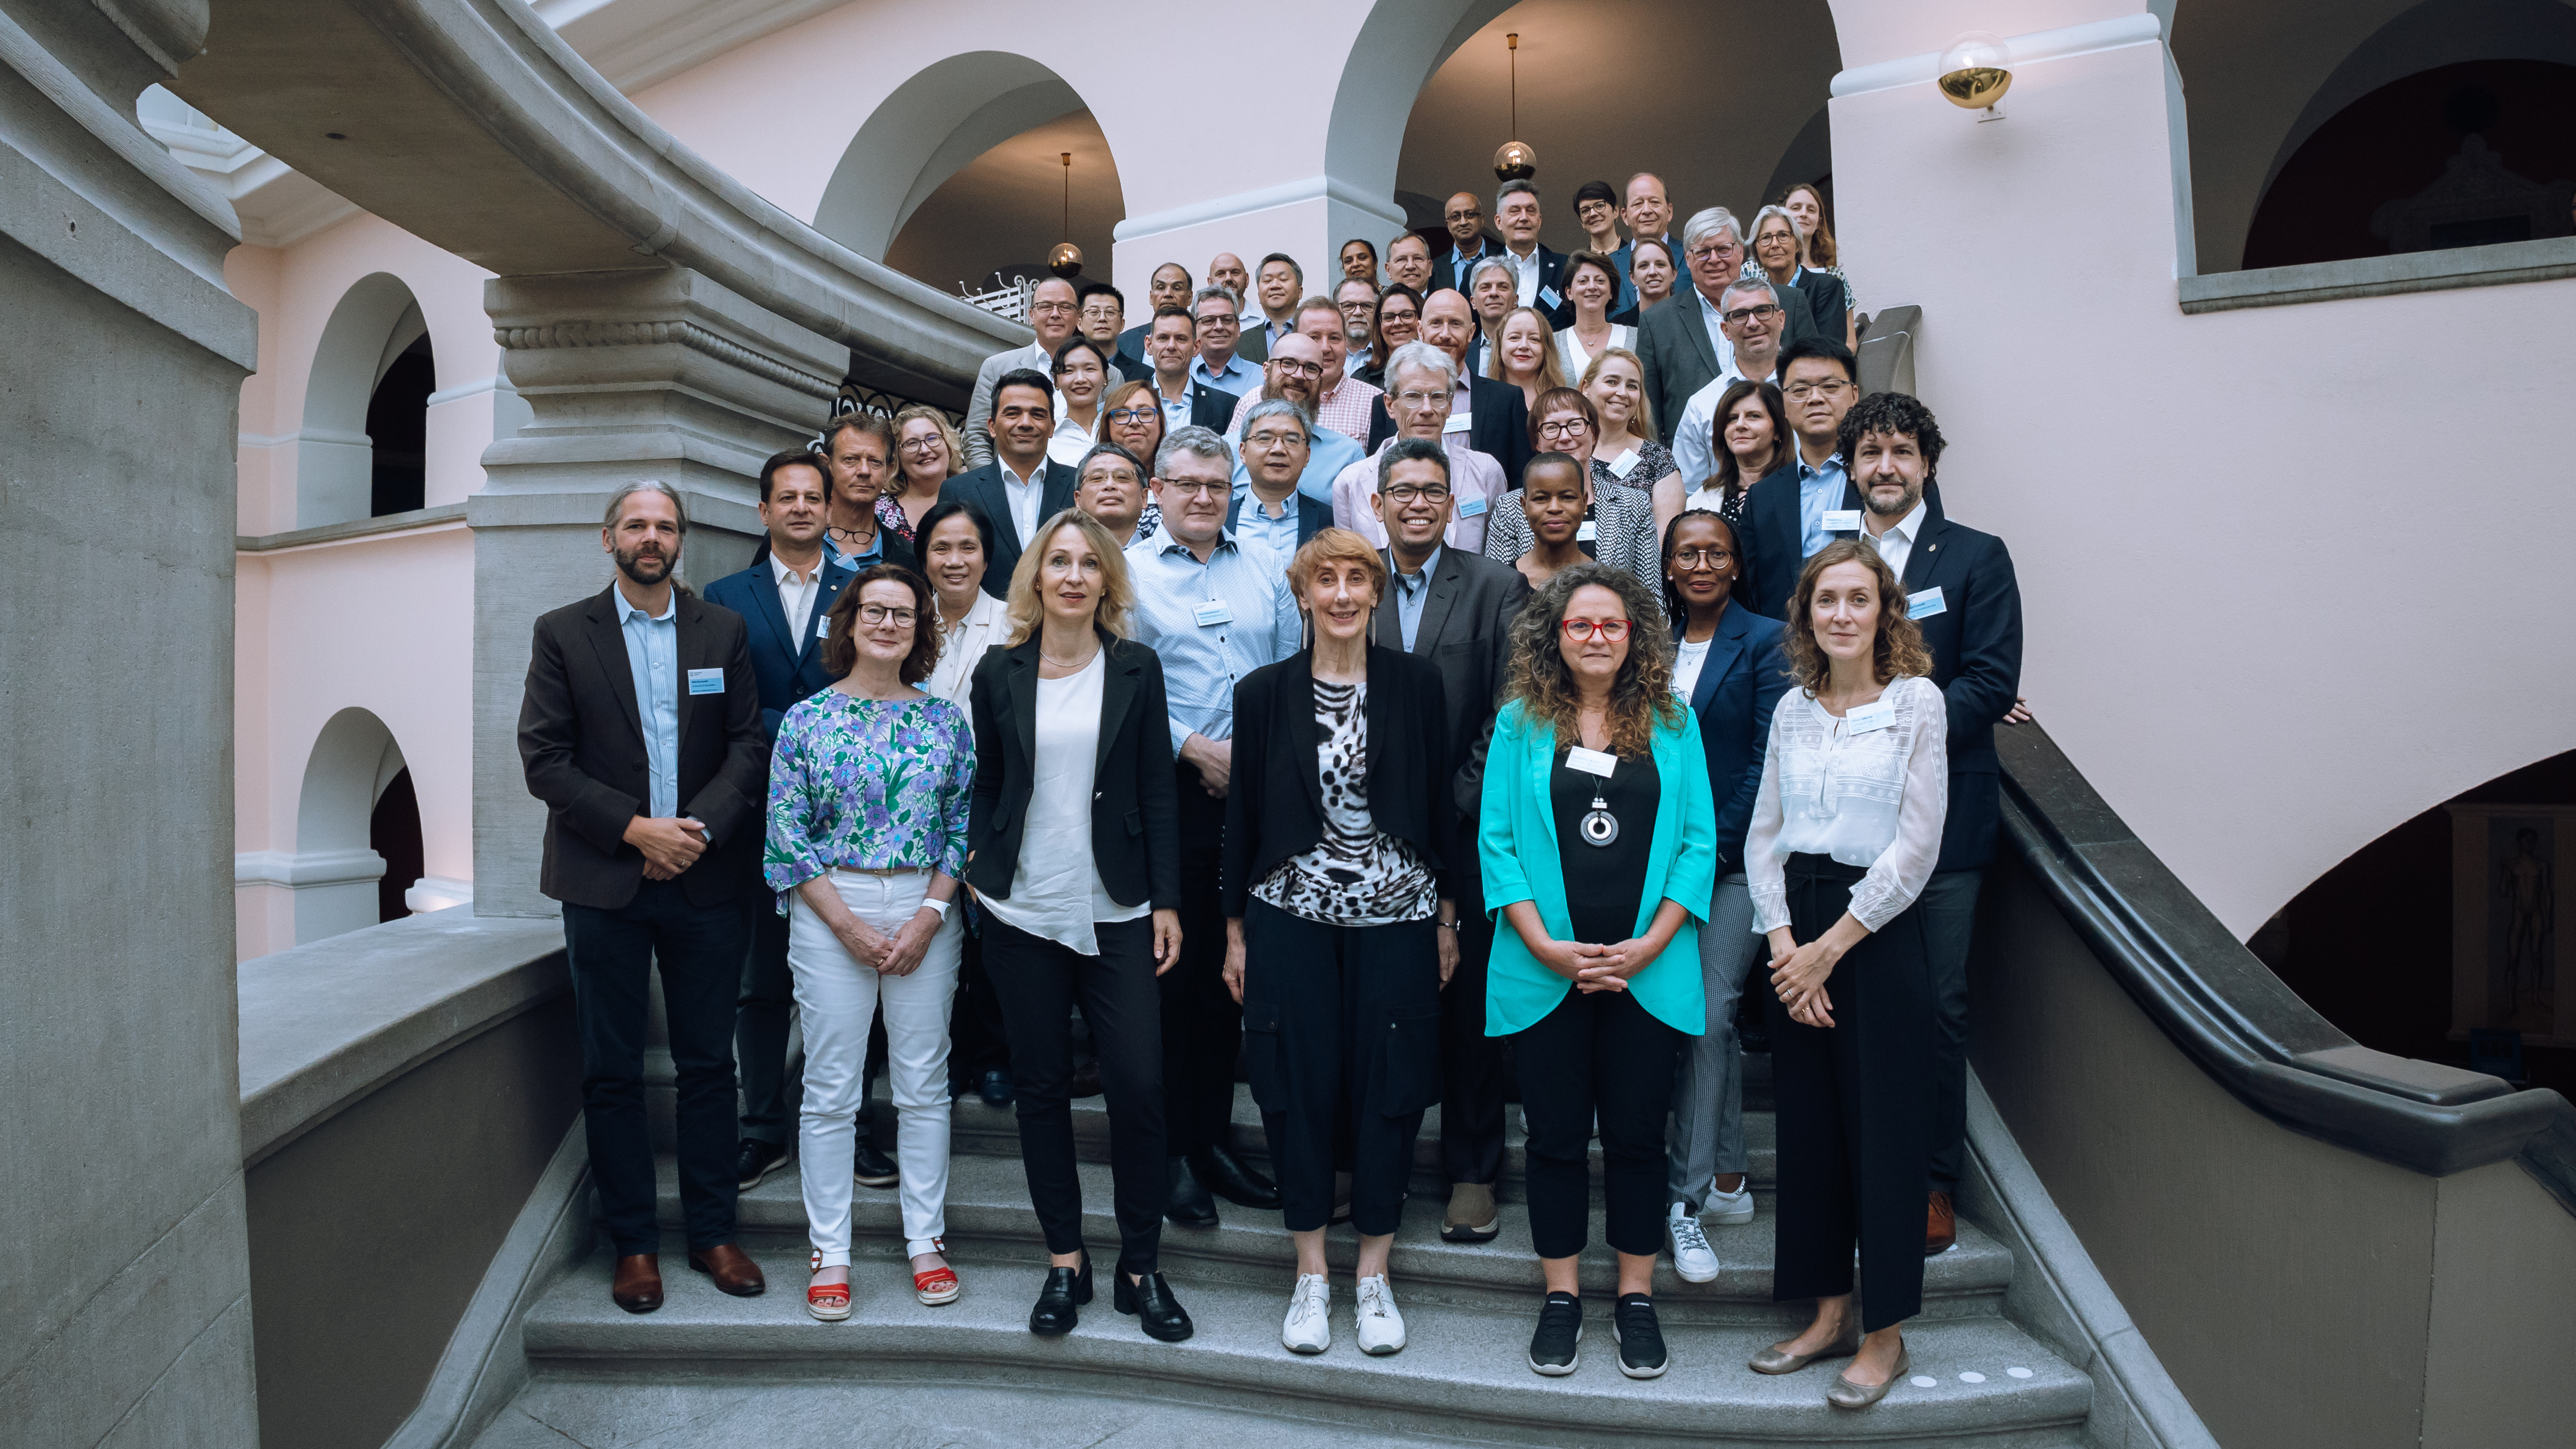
<point x="1708" y="1087"/>
<point x="612" y="955"/>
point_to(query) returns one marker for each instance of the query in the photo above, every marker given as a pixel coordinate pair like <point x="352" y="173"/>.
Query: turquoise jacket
<point x="1516" y="841"/>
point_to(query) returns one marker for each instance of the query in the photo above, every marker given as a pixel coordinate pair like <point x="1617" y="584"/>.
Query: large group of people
<point x="1462" y="675"/>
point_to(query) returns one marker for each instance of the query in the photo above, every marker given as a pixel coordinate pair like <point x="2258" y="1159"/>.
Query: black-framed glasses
<point x="1219" y="319"/>
<point x="1613" y="630"/>
<point x="1564" y="428"/>
<point x="1742" y="315"/>
<point x="879" y="613"/>
<point x="1188" y="488"/>
<point x="1295" y="368"/>
<point x="1832" y="387"/>
<point x="1402" y="493"/>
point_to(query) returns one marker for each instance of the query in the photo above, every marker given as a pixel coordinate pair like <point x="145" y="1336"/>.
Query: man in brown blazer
<point x="641" y="730"/>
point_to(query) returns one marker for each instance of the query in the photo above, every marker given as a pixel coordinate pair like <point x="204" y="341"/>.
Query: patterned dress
<point x="1357" y="875"/>
<point x="867" y="784"/>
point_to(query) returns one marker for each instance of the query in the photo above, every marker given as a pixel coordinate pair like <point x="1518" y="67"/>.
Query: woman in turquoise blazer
<point x="1598" y="839"/>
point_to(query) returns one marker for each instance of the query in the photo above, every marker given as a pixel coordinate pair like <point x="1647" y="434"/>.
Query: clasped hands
<point x="898" y="955"/>
<point x="1597" y="968"/>
<point x="1798" y="973"/>
<point x="671" y="844"/>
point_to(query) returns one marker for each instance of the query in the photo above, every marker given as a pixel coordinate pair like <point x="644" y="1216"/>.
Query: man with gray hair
<point x="1754" y="317"/>
<point x="1684" y="344"/>
<point x="1493" y="289"/>
<point x="1054" y="312"/>
<point x="1420" y="396"/>
<point x="1219" y="315"/>
<point x="1540" y="272"/>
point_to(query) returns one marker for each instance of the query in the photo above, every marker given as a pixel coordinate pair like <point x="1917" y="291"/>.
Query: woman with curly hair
<point x="1846" y="827"/>
<point x="1597" y="842"/>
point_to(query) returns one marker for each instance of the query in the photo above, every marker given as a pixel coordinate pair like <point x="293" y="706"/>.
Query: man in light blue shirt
<point x="1220" y="319"/>
<point x="1817" y="387"/>
<point x="1269" y="510"/>
<point x="653" y="653"/>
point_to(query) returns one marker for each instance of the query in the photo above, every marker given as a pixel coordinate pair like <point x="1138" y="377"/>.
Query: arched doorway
<point x="372" y="368"/>
<point x="345" y="843"/>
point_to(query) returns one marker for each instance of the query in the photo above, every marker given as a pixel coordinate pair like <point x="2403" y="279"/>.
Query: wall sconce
<point x="1975" y="72"/>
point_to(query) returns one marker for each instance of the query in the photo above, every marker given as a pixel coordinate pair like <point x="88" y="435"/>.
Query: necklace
<point x="1598" y="827"/>
<point x="1067" y="663"/>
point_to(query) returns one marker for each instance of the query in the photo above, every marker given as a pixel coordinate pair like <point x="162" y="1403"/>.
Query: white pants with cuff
<point x="836" y="998"/>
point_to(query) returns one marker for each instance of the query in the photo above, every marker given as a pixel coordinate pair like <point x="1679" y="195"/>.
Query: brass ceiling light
<point x="1066" y="260"/>
<point x="1515" y="161"/>
<point x="1975" y="72"/>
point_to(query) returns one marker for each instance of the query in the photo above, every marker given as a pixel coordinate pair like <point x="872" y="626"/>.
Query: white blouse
<point x="1570" y="353"/>
<point x="1056" y="893"/>
<point x="1872" y="796"/>
<point x="962" y="643"/>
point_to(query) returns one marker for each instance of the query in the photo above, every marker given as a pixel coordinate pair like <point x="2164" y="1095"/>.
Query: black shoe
<point x="1557" y="1346"/>
<point x="1066" y="1290"/>
<point x="1227" y="1177"/>
<point x="757" y="1161"/>
<point x="871" y="1167"/>
<point x="1639" y="1336"/>
<point x="1151" y="1300"/>
<point x="1190" y="1203"/>
<point x="996" y="1088"/>
<point x="1086" y="1080"/>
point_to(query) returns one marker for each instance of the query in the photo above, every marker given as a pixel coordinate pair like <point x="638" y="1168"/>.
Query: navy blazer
<point x="1975" y="640"/>
<point x="1313" y="516"/>
<point x="1499" y="427"/>
<point x="1772" y="543"/>
<point x="788" y="667"/>
<point x="1211" y="408"/>
<point x="981" y="490"/>
<point x="1739" y="689"/>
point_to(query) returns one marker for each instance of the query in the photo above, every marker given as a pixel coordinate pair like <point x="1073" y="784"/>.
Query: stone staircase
<point x="1977" y="1378"/>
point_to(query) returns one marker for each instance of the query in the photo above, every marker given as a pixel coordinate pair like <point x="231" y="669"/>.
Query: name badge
<point x="1470" y="507"/>
<point x="1926" y="604"/>
<point x="1547" y="297"/>
<point x="1842" y="520"/>
<point x="1591" y="762"/>
<point x="1213" y="611"/>
<point x="1588" y="532"/>
<point x="1877" y="715"/>
<point x="1459" y="422"/>
<point x="706" y="681"/>
<point x="823" y="625"/>
<point x="1624" y="464"/>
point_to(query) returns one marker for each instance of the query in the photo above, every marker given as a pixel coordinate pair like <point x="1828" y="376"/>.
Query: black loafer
<point x="1151" y="1300"/>
<point x="1189" y="1204"/>
<point x="1228" y="1178"/>
<point x="1066" y="1290"/>
<point x="996" y="1088"/>
<point x="871" y="1167"/>
<point x="756" y="1161"/>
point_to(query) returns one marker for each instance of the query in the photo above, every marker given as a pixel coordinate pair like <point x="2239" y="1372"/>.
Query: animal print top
<point x="1357" y="875"/>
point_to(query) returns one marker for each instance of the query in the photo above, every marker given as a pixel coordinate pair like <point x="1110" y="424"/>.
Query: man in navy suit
<point x="786" y="602"/>
<point x="1960" y="591"/>
<point x="1021" y="487"/>
<point x="1278" y="441"/>
<point x="1542" y="271"/>
<point x="1493" y="415"/>
<point x="1169" y="287"/>
<point x="1808" y="500"/>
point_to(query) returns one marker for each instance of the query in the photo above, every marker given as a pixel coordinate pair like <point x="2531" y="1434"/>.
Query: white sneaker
<point x="1381" y="1326"/>
<point x="1309" y="1328"/>
<point x="1731" y="1208"/>
<point x="1692" y="1256"/>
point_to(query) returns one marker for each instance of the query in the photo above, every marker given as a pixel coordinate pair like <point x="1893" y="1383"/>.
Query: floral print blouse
<point x="867" y="784"/>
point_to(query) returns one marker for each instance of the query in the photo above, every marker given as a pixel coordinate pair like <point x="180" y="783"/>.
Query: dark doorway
<point x="398" y="422"/>
<point x="393" y="831"/>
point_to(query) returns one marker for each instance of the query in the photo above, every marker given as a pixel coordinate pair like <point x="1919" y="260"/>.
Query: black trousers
<point x="1471" y="1063"/>
<point x="1854" y="1109"/>
<point x="1202" y="1025"/>
<point x="1038" y="981"/>
<point x="1948" y="906"/>
<point x="1341" y="1038"/>
<point x="1600" y="1056"/>
<point x="977" y="1041"/>
<point x="612" y="955"/>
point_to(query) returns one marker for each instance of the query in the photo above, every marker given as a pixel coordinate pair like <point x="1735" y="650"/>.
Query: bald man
<point x="1227" y="270"/>
<point x="1465" y="218"/>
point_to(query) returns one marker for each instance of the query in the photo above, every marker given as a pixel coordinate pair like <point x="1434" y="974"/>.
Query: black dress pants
<point x="612" y="955"/>
<point x="761" y="1013"/>
<point x="1202" y="1025"/>
<point x="1855" y="1105"/>
<point x="977" y="1041"/>
<point x="1471" y="1063"/>
<point x="1038" y="981"/>
<point x="1596" y="1055"/>
<point x="1342" y="1043"/>
<point x="1948" y="906"/>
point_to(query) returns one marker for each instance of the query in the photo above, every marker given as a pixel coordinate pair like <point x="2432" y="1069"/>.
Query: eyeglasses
<point x="1131" y="415"/>
<point x="1217" y="319"/>
<point x="1188" y="489"/>
<point x="1742" y="315"/>
<point x="1295" y="368"/>
<point x="1463" y="215"/>
<point x="1268" y="438"/>
<point x="1052" y="308"/>
<point x="1701" y="558"/>
<point x="924" y="445"/>
<point x="1416" y="401"/>
<point x="1831" y="388"/>
<point x="1714" y="249"/>
<point x="1613" y="630"/>
<point x="1401" y="493"/>
<point x="879" y="613"/>
<point x="1564" y="428"/>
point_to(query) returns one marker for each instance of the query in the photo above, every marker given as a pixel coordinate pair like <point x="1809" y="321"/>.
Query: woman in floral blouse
<point x="868" y="802"/>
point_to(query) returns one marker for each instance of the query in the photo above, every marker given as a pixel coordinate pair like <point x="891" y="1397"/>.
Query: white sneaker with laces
<point x="1693" y="1259"/>
<point x="1309" y="1328"/>
<point x="1381" y="1326"/>
<point x="1731" y="1208"/>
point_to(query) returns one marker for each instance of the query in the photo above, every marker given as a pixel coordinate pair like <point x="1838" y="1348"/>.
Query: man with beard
<point x="640" y="730"/>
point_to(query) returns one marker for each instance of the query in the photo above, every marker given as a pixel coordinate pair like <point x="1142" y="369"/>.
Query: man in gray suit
<point x="1681" y="343"/>
<point x="1053" y="313"/>
<point x="1456" y="610"/>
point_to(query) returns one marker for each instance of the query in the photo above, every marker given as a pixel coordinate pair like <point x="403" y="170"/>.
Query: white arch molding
<point x="334" y="869"/>
<point x="334" y="459"/>
<point x="927" y="131"/>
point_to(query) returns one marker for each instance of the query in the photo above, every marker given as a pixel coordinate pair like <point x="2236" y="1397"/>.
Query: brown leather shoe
<point x="638" y="1288"/>
<point x="1940" y="1226"/>
<point x="732" y="1269"/>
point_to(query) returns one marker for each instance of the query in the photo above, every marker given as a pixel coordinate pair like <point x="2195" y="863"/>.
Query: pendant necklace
<point x="1599" y="826"/>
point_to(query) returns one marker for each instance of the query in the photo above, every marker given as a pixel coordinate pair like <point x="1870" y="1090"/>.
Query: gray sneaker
<point x="1471" y="1217"/>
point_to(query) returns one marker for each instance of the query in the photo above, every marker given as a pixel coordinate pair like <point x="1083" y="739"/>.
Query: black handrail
<point x="2227" y="1012"/>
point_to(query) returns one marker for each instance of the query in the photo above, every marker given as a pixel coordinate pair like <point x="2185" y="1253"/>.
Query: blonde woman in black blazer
<point x="1074" y="854"/>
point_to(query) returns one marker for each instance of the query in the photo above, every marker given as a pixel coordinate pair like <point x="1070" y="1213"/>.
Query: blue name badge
<point x="706" y="681"/>
<point x="1470" y="508"/>
<point x="1842" y="520"/>
<point x="1926" y="604"/>
<point x="1212" y="612"/>
<point x="1547" y="297"/>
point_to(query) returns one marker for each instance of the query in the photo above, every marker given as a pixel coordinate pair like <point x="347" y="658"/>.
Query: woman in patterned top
<point x="1339" y="931"/>
<point x="928" y="453"/>
<point x="869" y="792"/>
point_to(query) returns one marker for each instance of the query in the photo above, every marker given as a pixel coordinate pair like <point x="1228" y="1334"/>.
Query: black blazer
<point x="1828" y="304"/>
<point x="1498" y="427"/>
<point x="1444" y="276"/>
<point x="1466" y="633"/>
<point x="893" y="550"/>
<point x="1211" y="408"/>
<point x="1739" y="688"/>
<point x="1131" y="349"/>
<point x="1679" y="360"/>
<point x="581" y="742"/>
<point x="1135" y="809"/>
<point x="1975" y="640"/>
<point x="982" y="491"/>
<point x="1274" y="804"/>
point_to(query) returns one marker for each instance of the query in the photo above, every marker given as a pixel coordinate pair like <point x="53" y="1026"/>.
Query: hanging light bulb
<point x="1066" y="260"/>
<point x="1515" y="160"/>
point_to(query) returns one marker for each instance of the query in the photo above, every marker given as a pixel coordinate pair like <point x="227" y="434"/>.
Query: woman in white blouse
<point x="1081" y="377"/>
<point x="1846" y="827"/>
<point x="1591" y="284"/>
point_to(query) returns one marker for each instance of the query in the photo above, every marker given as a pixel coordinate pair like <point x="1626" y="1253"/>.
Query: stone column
<point x="655" y="373"/>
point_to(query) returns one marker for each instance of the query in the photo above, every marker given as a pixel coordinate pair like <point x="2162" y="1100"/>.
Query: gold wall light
<point x="1975" y="72"/>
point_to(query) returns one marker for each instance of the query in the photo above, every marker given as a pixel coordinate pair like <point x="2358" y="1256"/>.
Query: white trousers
<point x="836" y="998"/>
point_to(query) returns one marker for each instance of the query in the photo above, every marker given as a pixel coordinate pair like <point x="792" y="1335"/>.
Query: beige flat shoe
<point x="1848" y="1395"/>
<point x="1773" y="1361"/>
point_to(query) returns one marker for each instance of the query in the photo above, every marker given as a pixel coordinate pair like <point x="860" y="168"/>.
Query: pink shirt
<point x="1348" y="410"/>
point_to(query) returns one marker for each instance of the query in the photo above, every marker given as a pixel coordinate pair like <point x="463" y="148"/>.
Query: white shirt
<point x="1897" y="544"/>
<point x="1695" y="438"/>
<point x="962" y="643"/>
<point x="1570" y="352"/>
<point x="1067" y="446"/>
<point x="1687" y="658"/>
<point x="1526" y="268"/>
<point x="1026" y="495"/>
<point x="796" y="596"/>
<point x="1874" y="798"/>
<point x="1057" y="893"/>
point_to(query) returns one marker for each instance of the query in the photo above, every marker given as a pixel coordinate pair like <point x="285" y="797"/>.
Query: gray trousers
<point x="1708" y="1089"/>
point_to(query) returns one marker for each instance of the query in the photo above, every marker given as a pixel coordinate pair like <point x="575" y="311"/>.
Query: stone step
<point x="1464" y="1374"/>
<point x="988" y="1213"/>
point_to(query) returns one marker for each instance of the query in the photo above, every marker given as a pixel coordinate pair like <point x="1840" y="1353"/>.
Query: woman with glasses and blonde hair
<point x="1846" y="827"/>
<point x="1075" y="861"/>
<point x="1597" y="842"/>
<point x="868" y="820"/>
<point x="928" y="453"/>
<point x="1774" y="254"/>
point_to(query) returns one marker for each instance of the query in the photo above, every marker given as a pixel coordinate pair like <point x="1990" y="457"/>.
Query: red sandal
<point x="829" y="1302"/>
<point x="939" y="1285"/>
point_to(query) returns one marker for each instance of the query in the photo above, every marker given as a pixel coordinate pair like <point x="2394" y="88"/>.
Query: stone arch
<point x="336" y="866"/>
<point x="929" y="128"/>
<point x="1398" y="47"/>
<point x="375" y="321"/>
